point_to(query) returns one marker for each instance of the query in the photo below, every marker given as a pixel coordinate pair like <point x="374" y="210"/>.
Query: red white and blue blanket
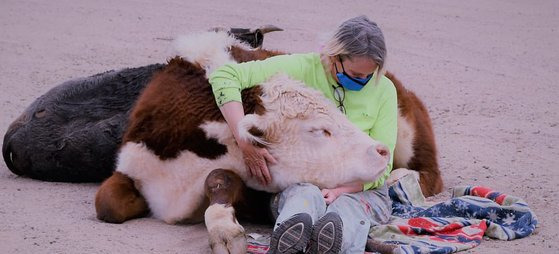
<point x="453" y="225"/>
<point x="446" y="227"/>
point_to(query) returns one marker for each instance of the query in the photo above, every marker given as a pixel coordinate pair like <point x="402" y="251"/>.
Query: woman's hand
<point x="257" y="159"/>
<point x="332" y="194"/>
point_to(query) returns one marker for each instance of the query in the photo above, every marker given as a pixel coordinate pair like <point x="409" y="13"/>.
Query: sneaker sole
<point x="327" y="235"/>
<point x="295" y="234"/>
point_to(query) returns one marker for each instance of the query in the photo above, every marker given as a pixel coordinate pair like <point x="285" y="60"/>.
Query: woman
<point x="349" y="71"/>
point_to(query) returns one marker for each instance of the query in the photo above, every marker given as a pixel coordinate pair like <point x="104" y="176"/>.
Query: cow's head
<point x="309" y="135"/>
<point x="71" y="133"/>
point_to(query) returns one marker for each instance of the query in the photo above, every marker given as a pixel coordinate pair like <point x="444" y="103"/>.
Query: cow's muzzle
<point x="379" y="150"/>
<point x="8" y="154"/>
<point x="7" y="145"/>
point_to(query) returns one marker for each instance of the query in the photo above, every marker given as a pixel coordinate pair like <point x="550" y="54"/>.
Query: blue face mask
<point x="348" y="82"/>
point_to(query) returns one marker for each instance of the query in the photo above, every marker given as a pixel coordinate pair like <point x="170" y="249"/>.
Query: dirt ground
<point x="486" y="70"/>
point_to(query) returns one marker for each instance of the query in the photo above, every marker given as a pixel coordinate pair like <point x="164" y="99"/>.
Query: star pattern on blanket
<point x="453" y="225"/>
<point x="509" y="220"/>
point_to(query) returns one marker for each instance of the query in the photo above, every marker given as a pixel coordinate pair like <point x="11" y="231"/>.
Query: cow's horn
<point x="269" y="28"/>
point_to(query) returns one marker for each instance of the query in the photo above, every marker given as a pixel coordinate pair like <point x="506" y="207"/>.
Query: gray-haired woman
<point x="349" y="71"/>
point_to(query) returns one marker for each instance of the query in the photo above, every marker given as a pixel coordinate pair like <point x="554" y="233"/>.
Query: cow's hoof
<point x="226" y="235"/>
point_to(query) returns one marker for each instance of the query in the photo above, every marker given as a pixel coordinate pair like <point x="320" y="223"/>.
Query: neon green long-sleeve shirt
<point x="373" y="109"/>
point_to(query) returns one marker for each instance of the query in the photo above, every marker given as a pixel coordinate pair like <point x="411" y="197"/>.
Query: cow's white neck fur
<point x="208" y="49"/>
<point x="403" y="151"/>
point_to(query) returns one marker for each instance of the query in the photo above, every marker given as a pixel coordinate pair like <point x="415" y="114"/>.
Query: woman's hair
<point x="357" y="37"/>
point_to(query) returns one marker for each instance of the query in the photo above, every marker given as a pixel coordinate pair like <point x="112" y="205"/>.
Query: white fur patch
<point x="225" y="232"/>
<point x="174" y="189"/>
<point x="208" y="49"/>
<point x="403" y="152"/>
<point x="219" y="131"/>
<point x="249" y="121"/>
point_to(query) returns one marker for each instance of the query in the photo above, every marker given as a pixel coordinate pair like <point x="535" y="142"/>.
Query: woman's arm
<point x="229" y="80"/>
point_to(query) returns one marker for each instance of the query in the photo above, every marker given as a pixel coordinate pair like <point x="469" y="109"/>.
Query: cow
<point x="178" y="157"/>
<point x="72" y="132"/>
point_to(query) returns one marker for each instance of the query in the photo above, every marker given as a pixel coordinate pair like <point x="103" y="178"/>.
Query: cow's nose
<point x="379" y="149"/>
<point x="8" y="153"/>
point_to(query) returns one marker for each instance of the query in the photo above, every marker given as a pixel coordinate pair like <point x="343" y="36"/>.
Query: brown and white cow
<point x="178" y="156"/>
<point x="177" y="137"/>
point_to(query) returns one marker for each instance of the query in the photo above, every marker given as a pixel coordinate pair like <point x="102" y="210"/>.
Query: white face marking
<point x="403" y="151"/>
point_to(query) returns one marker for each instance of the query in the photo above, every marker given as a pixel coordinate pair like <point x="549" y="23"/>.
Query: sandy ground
<point x="487" y="71"/>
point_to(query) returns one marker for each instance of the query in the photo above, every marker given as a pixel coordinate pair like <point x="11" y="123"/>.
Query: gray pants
<point x="358" y="211"/>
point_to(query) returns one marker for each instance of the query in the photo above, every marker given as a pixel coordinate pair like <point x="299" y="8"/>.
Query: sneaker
<point x="327" y="235"/>
<point x="292" y="235"/>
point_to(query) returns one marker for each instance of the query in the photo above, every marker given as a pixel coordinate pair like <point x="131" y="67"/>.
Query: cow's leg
<point x="118" y="200"/>
<point x="223" y="188"/>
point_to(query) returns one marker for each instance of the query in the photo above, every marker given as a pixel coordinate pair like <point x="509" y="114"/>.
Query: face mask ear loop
<point x="336" y="66"/>
<point x="343" y="69"/>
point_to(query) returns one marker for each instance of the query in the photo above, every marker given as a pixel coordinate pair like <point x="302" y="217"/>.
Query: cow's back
<point x="168" y="114"/>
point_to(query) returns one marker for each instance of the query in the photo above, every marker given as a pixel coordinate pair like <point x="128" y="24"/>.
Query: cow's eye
<point x="40" y="113"/>
<point x="321" y="132"/>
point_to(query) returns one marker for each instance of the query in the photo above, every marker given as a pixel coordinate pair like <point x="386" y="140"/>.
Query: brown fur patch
<point x="169" y="112"/>
<point x="424" y="159"/>
<point x="117" y="200"/>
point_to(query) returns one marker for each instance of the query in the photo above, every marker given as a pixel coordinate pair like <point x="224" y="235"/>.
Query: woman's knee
<point x="362" y="207"/>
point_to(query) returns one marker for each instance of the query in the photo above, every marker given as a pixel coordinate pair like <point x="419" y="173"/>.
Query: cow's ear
<point x="251" y="128"/>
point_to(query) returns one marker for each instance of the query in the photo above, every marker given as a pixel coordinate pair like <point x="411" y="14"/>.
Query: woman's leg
<point x="298" y="207"/>
<point x="359" y="212"/>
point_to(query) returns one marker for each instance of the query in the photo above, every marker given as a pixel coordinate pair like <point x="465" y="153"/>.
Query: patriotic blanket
<point x="450" y="226"/>
<point x="453" y="225"/>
